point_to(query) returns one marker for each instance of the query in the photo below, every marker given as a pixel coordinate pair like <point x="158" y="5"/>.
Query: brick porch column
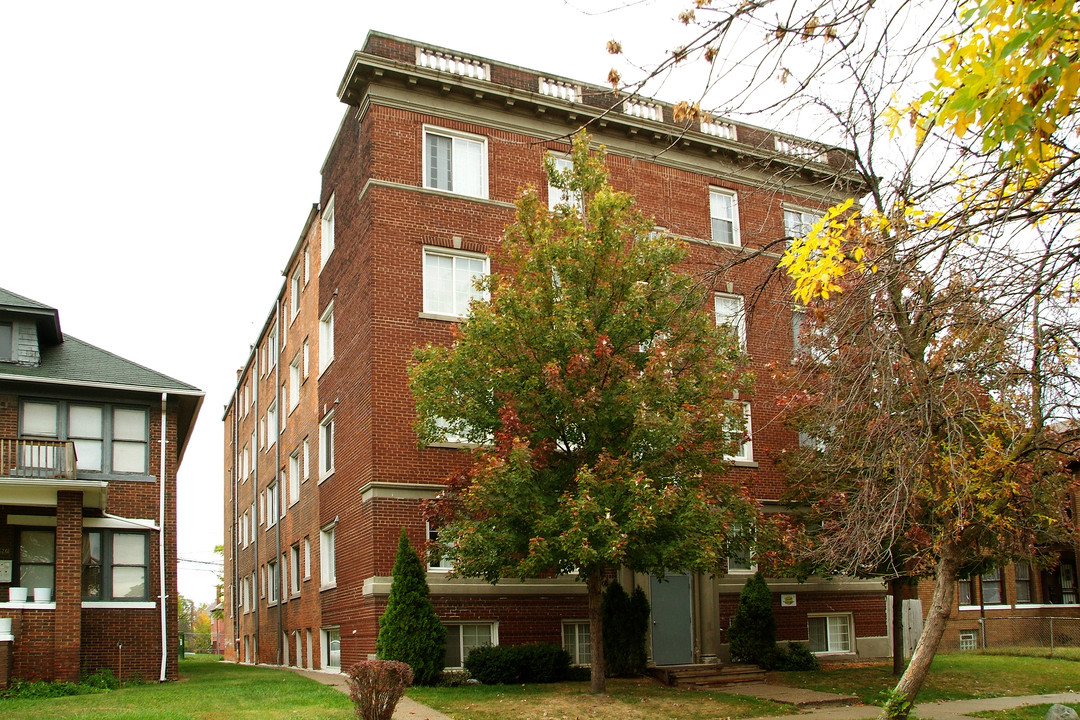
<point x="67" y="640"/>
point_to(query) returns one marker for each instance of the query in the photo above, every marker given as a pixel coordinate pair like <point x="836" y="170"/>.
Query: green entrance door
<point x="672" y="631"/>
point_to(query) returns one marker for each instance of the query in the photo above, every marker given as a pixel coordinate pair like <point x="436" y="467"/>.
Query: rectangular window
<point x="326" y="447"/>
<point x="991" y="587"/>
<point x="273" y="582"/>
<point x="724" y="214"/>
<point x="797" y="223"/>
<point x="460" y="639"/>
<point x="830" y="633"/>
<point x="575" y="641"/>
<point x="294" y="477"/>
<point x="37" y="559"/>
<point x="729" y="313"/>
<point x="449" y="279"/>
<point x="251" y="525"/>
<point x="1023" y="582"/>
<point x="306" y="359"/>
<point x="968" y="641"/>
<point x="294" y="292"/>
<point x="307" y="266"/>
<point x="305" y="461"/>
<point x="271" y="425"/>
<point x="456" y="163"/>
<point x="964" y="593"/>
<point x="331" y="643"/>
<point x="307" y="558"/>
<point x="271" y="349"/>
<point x="107" y="438"/>
<point x="294" y="383"/>
<point x="271" y="504"/>
<point x="294" y="569"/>
<point x="327" y="245"/>
<point x="1066" y="572"/>
<point x="326" y="337"/>
<point x="327" y="559"/>
<point x="7" y="345"/>
<point x="559" y="196"/>
<point x="441" y="563"/>
<point x="115" y="565"/>
<point x="741" y="553"/>
<point x="745" y="452"/>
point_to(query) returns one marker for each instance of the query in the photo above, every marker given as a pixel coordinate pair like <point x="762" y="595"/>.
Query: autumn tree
<point x="598" y="391"/>
<point x="939" y="381"/>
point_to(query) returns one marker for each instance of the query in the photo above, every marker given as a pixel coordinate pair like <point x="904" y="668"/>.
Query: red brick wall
<point x="867" y="611"/>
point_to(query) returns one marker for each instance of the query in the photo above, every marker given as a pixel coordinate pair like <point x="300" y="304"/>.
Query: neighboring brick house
<point x="322" y="466"/>
<point x="1017" y="604"/>
<point x="87" y="504"/>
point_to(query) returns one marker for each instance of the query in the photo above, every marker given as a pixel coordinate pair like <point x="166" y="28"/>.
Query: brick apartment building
<point x="90" y="444"/>
<point x="322" y="466"/>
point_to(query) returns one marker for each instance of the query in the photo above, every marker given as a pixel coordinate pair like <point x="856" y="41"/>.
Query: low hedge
<point x="532" y="663"/>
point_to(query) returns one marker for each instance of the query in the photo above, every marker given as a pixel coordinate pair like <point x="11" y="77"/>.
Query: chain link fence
<point x="1042" y="636"/>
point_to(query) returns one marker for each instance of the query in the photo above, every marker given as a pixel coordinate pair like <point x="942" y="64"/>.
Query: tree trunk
<point x="902" y="698"/>
<point x="898" y="664"/>
<point x="595" y="585"/>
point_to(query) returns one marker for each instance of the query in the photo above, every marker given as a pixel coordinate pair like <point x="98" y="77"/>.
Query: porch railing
<point x="25" y="458"/>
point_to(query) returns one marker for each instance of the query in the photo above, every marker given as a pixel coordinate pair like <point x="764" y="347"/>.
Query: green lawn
<point x="954" y="676"/>
<point x="1027" y="712"/>
<point x="207" y="689"/>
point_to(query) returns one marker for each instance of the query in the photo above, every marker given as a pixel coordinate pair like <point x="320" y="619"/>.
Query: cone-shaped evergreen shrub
<point x="626" y="622"/>
<point x="753" y="630"/>
<point x="409" y="630"/>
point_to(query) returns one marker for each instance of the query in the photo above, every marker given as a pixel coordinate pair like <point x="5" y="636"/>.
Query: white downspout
<point x="161" y="544"/>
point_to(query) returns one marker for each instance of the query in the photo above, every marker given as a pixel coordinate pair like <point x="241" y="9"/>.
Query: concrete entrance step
<point x="707" y="675"/>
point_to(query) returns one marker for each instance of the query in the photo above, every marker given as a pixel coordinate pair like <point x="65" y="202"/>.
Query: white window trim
<point x="577" y="641"/>
<point x="326" y="337"/>
<point x="325" y="470"/>
<point x="746" y="452"/>
<point x="558" y="196"/>
<point x="852" y="644"/>
<point x="454" y="134"/>
<point x="740" y="570"/>
<point x="738" y="319"/>
<point x="444" y="566"/>
<point x="815" y="215"/>
<point x="736" y="237"/>
<point x="328" y="557"/>
<point x="451" y="253"/>
<point x="294" y="477"/>
<point x="324" y="641"/>
<point x="493" y="624"/>
<point x="328" y="231"/>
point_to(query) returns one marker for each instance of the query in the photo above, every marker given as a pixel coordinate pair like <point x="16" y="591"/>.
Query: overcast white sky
<point x="157" y="162"/>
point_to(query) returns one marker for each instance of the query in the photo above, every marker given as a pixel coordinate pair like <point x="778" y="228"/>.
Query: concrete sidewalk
<point x="825" y="706"/>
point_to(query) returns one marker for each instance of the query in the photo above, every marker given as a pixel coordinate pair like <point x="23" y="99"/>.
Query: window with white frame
<point x="326" y="447"/>
<point x="294" y="477"/>
<point x="327" y="557"/>
<point x="797" y="223"/>
<point x="576" y="641"/>
<point x="307" y="265"/>
<point x="271" y="349"/>
<point x="968" y="640"/>
<point x="245" y="463"/>
<point x="829" y="633"/>
<point x="271" y="425"/>
<point x="304" y="458"/>
<point x="254" y="452"/>
<point x="561" y="196"/>
<point x="272" y="491"/>
<point x="449" y="281"/>
<point x="455" y="162"/>
<point x="730" y="313"/>
<point x="294" y="383"/>
<point x="440" y="563"/>
<point x="273" y="582"/>
<point x="252" y="523"/>
<point x="331" y="647"/>
<point x="327" y="246"/>
<point x="991" y="587"/>
<point x="294" y="292"/>
<point x="724" y="216"/>
<point x="965" y="593"/>
<point x="745" y="452"/>
<point x="307" y="558"/>
<point x="740" y="559"/>
<point x="463" y="637"/>
<point x="305" y="355"/>
<point x="326" y="337"/>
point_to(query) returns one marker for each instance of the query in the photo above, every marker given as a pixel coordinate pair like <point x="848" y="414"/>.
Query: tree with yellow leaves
<point x="940" y="378"/>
